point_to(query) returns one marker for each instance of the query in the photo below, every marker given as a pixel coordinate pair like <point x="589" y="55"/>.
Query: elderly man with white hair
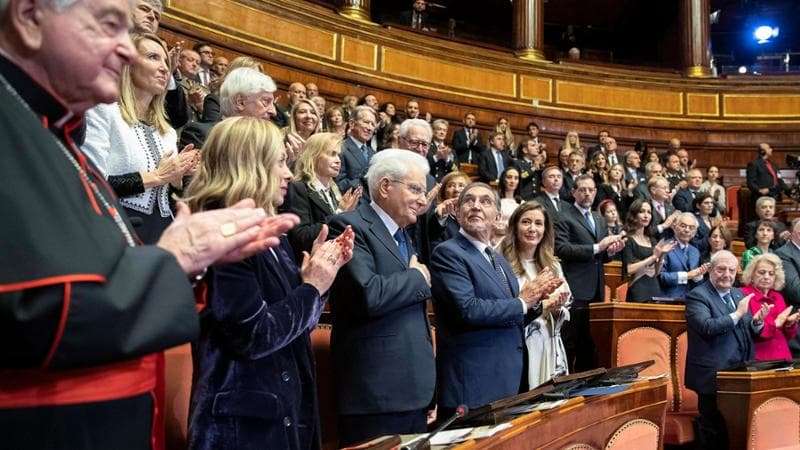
<point x="720" y="331"/>
<point x="682" y="269"/>
<point x="244" y="92"/>
<point x="84" y="310"/>
<point x="383" y="357"/>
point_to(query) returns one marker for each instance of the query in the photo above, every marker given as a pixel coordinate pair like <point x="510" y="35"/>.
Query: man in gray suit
<point x="790" y="256"/>
<point x="356" y="151"/>
<point x="381" y="342"/>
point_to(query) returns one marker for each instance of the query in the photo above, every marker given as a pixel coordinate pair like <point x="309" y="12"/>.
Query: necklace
<point x="82" y="173"/>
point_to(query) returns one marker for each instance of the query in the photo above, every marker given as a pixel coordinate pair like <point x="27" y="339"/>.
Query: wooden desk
<point x="591" y="421"/>
<point x="740" y="394"/>
<point x="612" y="279"/>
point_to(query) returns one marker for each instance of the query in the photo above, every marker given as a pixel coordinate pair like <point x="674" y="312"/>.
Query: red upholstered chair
<point x="638" y="434"/>
<point x="641" y="344"/>
<point x="678" y="427"/>
<point x="776" y="425"/>
<point x="326" y="393"/>
<point x="178" y="388"/>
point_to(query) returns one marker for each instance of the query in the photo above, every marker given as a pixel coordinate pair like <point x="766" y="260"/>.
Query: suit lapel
<point x="378" y="229"/>
<point x="316" y="198"/>
<point x="478" y="260"/>
<point x="582" y="220"/>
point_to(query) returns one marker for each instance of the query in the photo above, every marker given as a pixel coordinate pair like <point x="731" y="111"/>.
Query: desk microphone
<point x="461" y="411"/>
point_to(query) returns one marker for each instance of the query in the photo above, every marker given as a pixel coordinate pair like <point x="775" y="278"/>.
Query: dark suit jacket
<point x="715" y="343"/>
<point x="464" y="149"/>
<point x="545" y="201"/>
<point x="353" y="168"/>
<point x="439" y="168"/>
<point x="529" y="179"/>
<point x="381" y="342"/>
<point x="211" y="108"/>
<point x="574" y="246"/>
<point x="567" y="187"/>
<point x="253" y="366"/>
<point x="758" y="177"/>
<point x="658" y="219"/>
<point x="675" y="262"/>
<point x="479" y="334"/>
<point x="750" y="229"/>
<point x="176" y="107"/>
<point x="312" y="210"/>
<point x="487" y="166"/>
<point x="639" y="177"/>
<point x="682" y="200"/>
<point x="196" y="133"/>
<point x="700" y="239"/>
<point x="790" y="256"/>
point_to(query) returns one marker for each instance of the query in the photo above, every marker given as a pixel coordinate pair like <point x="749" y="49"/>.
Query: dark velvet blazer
<point x="254" y="382"/>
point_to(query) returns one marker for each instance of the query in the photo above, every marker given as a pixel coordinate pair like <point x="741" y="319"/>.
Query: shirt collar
<point x="387" y="220"/>
<point x="481" y="246"/>
<point x="358" y="143"/>
<point x="52" y="111"/>
<point x="582" y="209"/>
<point x="317" y="185"/>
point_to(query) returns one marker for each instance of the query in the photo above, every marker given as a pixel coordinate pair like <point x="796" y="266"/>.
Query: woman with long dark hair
<point x="641" y="257"/>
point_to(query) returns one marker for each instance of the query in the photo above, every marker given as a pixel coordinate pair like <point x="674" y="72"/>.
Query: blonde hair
<point x="305" y="167"/>
<point x="238" y="157"/>
<point x="304" y="101"/>
<point x="507" y="135"/>
<point x="447" y="179"/>
<point x="769" y="258"/>
<point x="155" y="114"/>
<point x="577" y="146"/>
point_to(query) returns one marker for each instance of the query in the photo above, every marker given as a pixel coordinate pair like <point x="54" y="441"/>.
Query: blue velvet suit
<point x="479" y="326"/>
<point x="254" y="385"/>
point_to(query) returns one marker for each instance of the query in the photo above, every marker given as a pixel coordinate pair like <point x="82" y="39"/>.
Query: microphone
<point x="461" y="411"/>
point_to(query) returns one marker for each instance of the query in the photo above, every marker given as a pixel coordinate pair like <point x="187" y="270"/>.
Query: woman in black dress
<point x="641" y="258"/>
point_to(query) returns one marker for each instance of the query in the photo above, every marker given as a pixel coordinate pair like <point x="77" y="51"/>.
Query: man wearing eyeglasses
<point x="381" y="343"/>
<point x="583" y="245"/>
<point x="682" y="270"/>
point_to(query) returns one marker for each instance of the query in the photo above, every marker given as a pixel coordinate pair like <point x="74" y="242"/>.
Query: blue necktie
<point x="365" y="152"/>
<point x="500" y="272"/>
<point x="729" y="302"/>
<point x="402" y="244"/>
<point x="589" y="219"/>
<point x="499" y="161"/>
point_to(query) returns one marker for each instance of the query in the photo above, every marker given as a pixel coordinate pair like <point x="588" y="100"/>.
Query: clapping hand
<point x="743" y="306"/>
<point x="663" y="247"/>
<point x="320" y="267"/>
<point x="447" y="207"/>
<point x="762" y="312"/>
<point x="350" y="199"/>
<point x="544" y="284"/>
<point x="430" y="197"/>
<point x="786" y="318"/>
<point x="294" y="146"/>
<point x="699" y="271"/>
<point x="553" y="305"/>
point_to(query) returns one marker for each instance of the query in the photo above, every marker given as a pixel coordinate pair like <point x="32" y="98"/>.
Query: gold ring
<point x="227" y="229"/>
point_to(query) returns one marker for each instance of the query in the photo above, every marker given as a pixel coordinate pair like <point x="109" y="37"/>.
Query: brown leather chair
<point x="678" y="427"/>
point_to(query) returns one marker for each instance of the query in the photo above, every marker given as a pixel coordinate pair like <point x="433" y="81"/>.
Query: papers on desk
<point x="450" y="437"/>
<point x="541" y="406"/>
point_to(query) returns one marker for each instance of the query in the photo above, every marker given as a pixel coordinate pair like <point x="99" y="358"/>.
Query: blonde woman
<point x="572" y="142"/>
<point x="304" y="121"/>
<point x="505" y="129"/>
<point x="134" y="146"/>
<point x="529" y="246"/>
<point x="335" y="121"/>
<point x="255" y="344"/>
<point x="314" y="196"/>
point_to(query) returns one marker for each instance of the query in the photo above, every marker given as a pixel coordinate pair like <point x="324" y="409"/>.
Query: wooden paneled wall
<point x="721" y="121"/>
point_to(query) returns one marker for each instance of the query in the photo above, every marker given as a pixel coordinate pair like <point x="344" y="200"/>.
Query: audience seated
<point x="642" y="257"/>
<point x="764" y="278"/>
<point x="682" y="269"/>
<point x="136" y="150"/>
<point x="529" y="247"/>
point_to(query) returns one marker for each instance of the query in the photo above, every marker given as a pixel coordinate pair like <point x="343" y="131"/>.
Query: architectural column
<point x="695" y="25"/>
<point x="529" y="29"/>
<point x="356" y="9"/>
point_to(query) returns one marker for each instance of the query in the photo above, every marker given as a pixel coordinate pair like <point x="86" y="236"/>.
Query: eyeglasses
<point x="417" y="143"/>
<point x="686" y="226"/>
<point x="413" y="188"/>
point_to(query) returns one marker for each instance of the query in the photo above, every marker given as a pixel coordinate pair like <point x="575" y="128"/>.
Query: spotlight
<point x="742" y="70"/>
<point x="764" y="33"/>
